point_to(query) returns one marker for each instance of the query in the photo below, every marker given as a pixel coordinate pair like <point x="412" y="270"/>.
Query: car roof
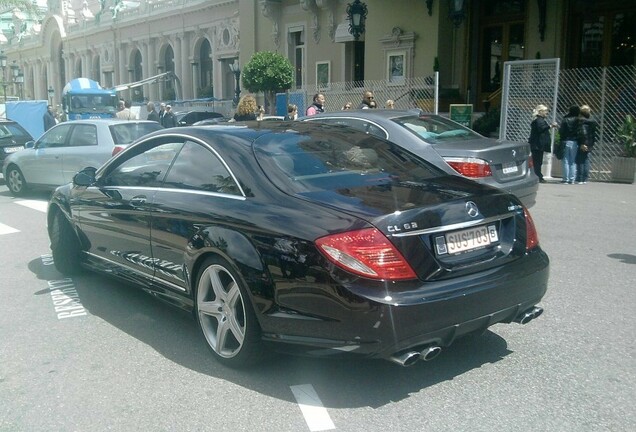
<point x="107" y="121"/>
<point x="372" y="113"/>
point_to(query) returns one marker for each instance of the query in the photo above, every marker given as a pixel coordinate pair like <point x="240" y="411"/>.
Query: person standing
<point x="49" y="118"/>
<point x="390" y="104"/>
<point x="169" y="120"/>
<point x="569" y="134"/>
<point x="246" y="109"/>
<point x="318" y="105"/>
<point x="586" y="143"/>
<point x="292" y="112"/>
<point x="539" y="138"/>
<point x="162" y="112"/>
<point x="152" y="114"/>
<point x="367" y="97"/>
<point x="125" y="113"/>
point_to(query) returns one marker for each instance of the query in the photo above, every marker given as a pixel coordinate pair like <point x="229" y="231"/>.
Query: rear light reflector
<point x="117" y="149"/>
<point x="532" y="238"/>
<point x="470" y="167"/>
<point x="367" y="253"/>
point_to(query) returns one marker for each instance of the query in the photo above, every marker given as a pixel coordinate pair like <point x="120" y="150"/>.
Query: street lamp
<point x="15" y="70"/>
<point x="19" y="80"/>
<point x="457" y="11"/>
<point x="236" y="70"/>
<point x="3" y="66"/>
<point x="51" y="92"/>
<point x="357" y="15"/>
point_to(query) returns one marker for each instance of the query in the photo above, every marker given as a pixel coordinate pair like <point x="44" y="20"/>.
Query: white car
<point x="67" y="148"/>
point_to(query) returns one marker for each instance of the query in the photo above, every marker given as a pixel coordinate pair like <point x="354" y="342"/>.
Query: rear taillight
<point x="367" y="253"/>
<point x="470" y="167"/>
<point x="532" y="238"/>
<point x="117" y="149"/>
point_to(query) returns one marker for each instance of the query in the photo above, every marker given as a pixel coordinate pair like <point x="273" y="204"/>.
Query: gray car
<point x="67" y="148"/>
<point x="449" y="145"/>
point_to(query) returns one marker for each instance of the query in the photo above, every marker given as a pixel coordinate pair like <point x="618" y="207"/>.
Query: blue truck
<point x="83" y="98"/>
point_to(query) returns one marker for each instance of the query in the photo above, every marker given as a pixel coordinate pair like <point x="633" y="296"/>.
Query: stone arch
<point x="203" y="57"/>
<point x="165" y="63"/>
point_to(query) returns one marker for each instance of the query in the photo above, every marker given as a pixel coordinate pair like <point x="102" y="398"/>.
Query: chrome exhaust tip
<point x="528" y="315"/>
<point x="406" y="359"/>
<point x="430" y="353"/>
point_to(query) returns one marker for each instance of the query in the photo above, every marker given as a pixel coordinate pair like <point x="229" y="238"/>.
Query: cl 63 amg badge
<point x="406" y="226"/>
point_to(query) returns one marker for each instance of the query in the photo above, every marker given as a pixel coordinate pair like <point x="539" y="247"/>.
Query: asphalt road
<point x="90" y="354"/>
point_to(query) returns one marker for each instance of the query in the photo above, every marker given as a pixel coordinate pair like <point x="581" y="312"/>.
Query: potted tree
<point x="623" y="168"/>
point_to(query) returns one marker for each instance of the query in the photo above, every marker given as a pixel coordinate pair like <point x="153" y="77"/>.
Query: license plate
<point x="12" y="149"/>
<point x="510" y="167"/>
<point x="466" y="240"/>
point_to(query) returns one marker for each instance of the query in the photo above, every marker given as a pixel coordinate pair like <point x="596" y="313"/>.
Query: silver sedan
<point x="452" y="147"/>
<point x="67" y="148"/>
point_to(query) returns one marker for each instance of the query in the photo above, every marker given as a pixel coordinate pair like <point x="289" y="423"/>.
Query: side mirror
<point x="29" y="144"/>
<point x="85" y="177"/>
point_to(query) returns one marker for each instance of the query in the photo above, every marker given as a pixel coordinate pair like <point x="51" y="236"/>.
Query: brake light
<point x="117" y="149"/>
<point x="470" y="167"/>
<point x="367" y="253"/>
<point x="532" y="238"/>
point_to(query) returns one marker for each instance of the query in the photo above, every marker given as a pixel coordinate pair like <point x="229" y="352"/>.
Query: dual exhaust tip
<point x="409" y="358"/>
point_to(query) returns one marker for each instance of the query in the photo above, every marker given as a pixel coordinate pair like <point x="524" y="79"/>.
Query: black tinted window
<point x="13" y="131"/>
<point x="358" y="124"/>
<point x="198" y="168"/>
<point x="147" y="169"/>
<point x="341" y="158"/>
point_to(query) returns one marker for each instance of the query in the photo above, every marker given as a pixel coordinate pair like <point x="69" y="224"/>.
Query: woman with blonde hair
<point x="246" y="109"/>
<point x="539" y="137"/>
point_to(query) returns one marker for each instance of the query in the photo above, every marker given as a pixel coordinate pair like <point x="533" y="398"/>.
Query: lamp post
<point x="236" y="70"/>
<point x="19" y="80"/>
<point x="51" y="92"/>
<point x="3" y="65"/>
<point x="15" y="70"/>
<point x="357" y="15"/>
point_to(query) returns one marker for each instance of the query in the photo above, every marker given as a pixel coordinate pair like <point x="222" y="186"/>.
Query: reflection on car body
<point x="303" y="237"/>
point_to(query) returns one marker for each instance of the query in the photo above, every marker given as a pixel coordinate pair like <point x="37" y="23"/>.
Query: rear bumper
<point x="380" y="327"/>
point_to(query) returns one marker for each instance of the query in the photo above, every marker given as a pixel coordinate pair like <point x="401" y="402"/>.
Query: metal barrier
<point x="609" y="91"/>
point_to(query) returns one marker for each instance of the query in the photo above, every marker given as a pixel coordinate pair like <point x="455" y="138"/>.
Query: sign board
<point x="462" y="114"/>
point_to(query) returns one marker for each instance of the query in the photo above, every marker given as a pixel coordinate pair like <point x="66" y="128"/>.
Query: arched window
<point x="168" y="62"/>
<point x="205" y="81"/>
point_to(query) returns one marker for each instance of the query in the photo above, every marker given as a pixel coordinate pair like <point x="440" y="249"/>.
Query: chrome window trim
<point x="160" y="189"/>
<point x="456" y="226"/>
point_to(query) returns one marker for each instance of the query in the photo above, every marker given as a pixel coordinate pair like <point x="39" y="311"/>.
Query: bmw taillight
<point x="470" y="167"/>
<point x="532" y="238"/>
<point x="367" y="253"/>
<point x="117" y="149"/>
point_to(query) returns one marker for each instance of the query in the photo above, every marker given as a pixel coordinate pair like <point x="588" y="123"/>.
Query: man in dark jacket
<point x="569" y="134"/>
<point x="586" y="143"/>
<point x="540" y="138"/>
<point x="169" y="120"/>
<point x="152" y="114"/>
<point x="49" y="118"/>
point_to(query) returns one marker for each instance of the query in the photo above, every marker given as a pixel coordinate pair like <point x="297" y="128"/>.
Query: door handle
<point x="138" y="200"/>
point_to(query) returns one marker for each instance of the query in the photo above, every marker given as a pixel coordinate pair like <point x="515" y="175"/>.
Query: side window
<point x="146" y="169"/>
<point x="197" y="168"/>
<point x="55" y="137"/>
<point x="83" y="135"/>
<point x="366" y="127"/>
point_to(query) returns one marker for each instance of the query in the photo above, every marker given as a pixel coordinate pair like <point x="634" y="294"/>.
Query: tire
<point x="15" y="181"/>
<point x="65" y="246"/>
<point x="225" y="315"/>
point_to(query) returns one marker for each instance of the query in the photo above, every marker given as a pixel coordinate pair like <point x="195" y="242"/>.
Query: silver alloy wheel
<point x="221" y="311"/>
<point x="15" y="181"/>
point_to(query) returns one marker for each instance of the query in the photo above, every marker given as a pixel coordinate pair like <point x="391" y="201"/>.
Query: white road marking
<point x="6" y="229"/>
<point x="34" y="204"/>
<point x="316" y="415"/>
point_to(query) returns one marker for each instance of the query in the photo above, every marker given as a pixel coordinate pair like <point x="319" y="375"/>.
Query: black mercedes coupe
<point x="304" y="237"/>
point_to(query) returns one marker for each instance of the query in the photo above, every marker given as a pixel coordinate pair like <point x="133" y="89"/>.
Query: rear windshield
<point x="127" y="132"/>
<point x="435" y="130"/>
<point x="341" y="158"/>
<point x="13" y="131"/>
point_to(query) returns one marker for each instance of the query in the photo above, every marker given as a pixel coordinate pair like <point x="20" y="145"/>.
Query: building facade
<point x="116" y="42"/>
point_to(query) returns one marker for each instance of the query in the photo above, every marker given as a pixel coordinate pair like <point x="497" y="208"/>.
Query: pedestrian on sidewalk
<point x="540" y="140"/>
